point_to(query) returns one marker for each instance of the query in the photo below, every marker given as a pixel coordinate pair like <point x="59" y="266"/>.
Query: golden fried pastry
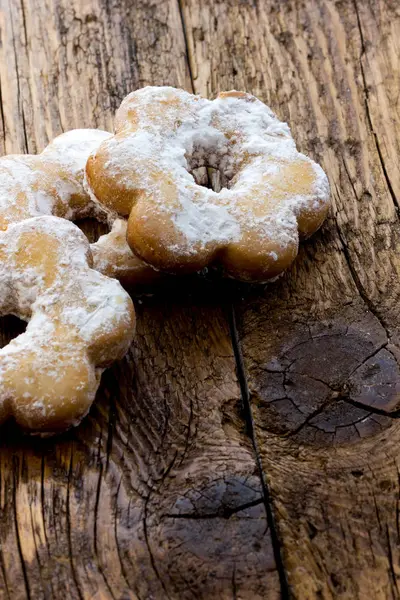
<point x="79" y="322"/>
<point x="51" y="183"/>
<point x="113" y="257"/>
<point x="271" y="192"/>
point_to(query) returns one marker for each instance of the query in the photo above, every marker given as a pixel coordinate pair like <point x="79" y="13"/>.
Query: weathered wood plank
<point x="320" y="347"/>
<point x="157" y="493"/>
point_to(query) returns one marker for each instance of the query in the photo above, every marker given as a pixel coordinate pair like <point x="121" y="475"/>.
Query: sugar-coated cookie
<point x="271" y="192"/>
<point x="52" y="183"/>
<point x="79" y="322"/>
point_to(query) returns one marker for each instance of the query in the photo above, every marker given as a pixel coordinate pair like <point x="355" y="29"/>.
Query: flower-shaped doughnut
<point x="79" y="322"/>
<point x="271" y="194"/>
<point x="49" y="183"/>
<point x="52" y="183"/>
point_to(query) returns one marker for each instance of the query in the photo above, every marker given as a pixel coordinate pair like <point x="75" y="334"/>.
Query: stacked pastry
<point x="139" y="181"/>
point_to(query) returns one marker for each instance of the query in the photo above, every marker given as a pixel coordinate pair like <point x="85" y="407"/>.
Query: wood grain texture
<point x="157" y="494"/>
<point x="321" y="347"/>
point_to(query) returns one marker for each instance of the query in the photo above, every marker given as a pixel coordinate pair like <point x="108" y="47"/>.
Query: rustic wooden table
<point x="248" y="445"/>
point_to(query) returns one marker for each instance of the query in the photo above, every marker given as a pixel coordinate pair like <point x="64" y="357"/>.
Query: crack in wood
<point x="40" y="566"/>
<point x="309" y="418"/>
<point x="148" y="546"/>
<point x="247" y="411"/>
<point x="3" y="572"/>
<point x="24" y="22"/>
<point x="234" y="588"/>
<point x="117" y="544"/>
<point x="19" y="100"/>
<point x="187" y="48"/>
<point x="17" y="532"/>
<point x="392" y="566"/>
<point x="225" y="512"/>
<point x="110" y="422"/>
<point x="69" y="527"/>
<point x="96" y="517"/>
<point x="350" y="179"/>
<point x="3" y="124"/>
<point x="357" y="282"/>
<point x="371" y="409"/>
<point x="42" y="501"/>
<point x="368" y="113"/>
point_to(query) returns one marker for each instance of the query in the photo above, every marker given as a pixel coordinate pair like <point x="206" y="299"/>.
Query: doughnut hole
<point x="208" y="177"/>
<point x="10" y="328"/>
<point x="92" y="228"/>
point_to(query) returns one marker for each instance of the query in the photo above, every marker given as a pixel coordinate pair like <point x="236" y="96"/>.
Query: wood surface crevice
<point x="37" y="556"/>
<point x="3" y="571"/>
<point x="95" y="523"/>
<point x="20" y="101"/>
<point x="224" y="512"/>
<point x="16" y="468"/>
<point x="110" y="429"/>
<point x="309" y="418"/>
<point x="368" y="112"/>
<point x="393" y="566"/>
<point x="370" y="304"/>
<point x="115" y="532"/>
<point x="249" y="419"/>
<point x="187" y="47"/>
<point x="149" y="549"/>
<point x="42" y="502"/>
<point x="69" y="526"/>
<point x="3" y="130"/>
<point x="342" y="393"/>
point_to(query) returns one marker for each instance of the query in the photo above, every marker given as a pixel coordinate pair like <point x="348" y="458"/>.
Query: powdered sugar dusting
<point x="207" y="222"/>
<point x="164" y="133"/>
<point x="51" y="182"/>
<point x="79" y="322"/>
<point x="72" y="148"/>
